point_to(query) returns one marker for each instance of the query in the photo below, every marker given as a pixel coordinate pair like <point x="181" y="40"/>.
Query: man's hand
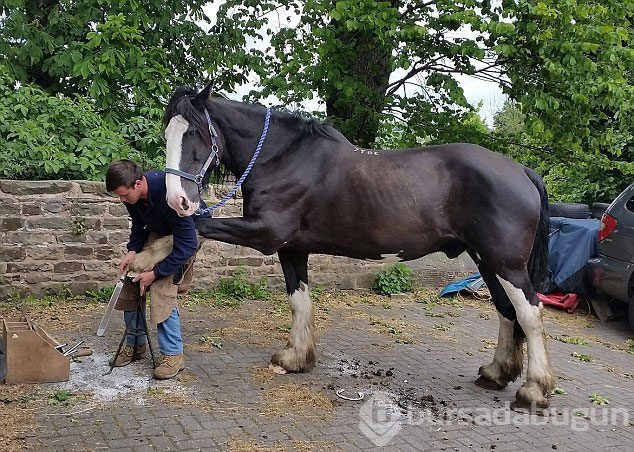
<point x="145" y="279"/>
<point x="123" y="266"/>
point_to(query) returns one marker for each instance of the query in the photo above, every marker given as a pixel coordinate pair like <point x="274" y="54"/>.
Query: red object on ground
<point x="567" y="301"/>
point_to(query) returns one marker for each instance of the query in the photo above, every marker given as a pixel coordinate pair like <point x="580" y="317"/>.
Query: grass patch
<point x="582" y="357"/>
<point x="60" y="398"/>
<point x="229" y="293"/>
<point x="598" y="399"/>
<point x="570" y="339"/>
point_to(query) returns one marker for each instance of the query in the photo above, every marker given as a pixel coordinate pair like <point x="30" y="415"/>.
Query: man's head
<point x="125" y="179"/>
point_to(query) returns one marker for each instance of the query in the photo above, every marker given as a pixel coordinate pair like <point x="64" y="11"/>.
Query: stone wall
<point x="71" y="234"/>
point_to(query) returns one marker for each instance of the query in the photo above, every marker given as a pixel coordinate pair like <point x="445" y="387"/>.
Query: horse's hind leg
<point x="540" y="378"/>
<point x="299" y="353"/>
<point x="508" y="358"/>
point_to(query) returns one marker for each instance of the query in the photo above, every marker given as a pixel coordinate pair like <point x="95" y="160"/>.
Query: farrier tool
<point x="113" y="300"/>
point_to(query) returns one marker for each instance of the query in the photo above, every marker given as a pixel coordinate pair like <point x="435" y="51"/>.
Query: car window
<point x="629" y="205"/>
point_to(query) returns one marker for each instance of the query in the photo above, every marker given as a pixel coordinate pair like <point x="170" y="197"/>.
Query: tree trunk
<point x="368" y="68"/>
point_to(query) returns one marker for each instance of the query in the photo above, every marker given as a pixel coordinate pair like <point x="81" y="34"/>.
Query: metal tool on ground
<point x="113" y="300"/>
<point x="72" y="349"/>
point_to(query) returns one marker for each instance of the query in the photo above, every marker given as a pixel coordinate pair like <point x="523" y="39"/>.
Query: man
<point x="143" y="195"/>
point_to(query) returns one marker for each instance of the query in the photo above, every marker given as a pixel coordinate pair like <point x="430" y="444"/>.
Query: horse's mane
<point x="309" y="124"/>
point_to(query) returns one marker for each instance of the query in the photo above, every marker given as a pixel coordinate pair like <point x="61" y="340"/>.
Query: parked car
<point x="612" y="271"/>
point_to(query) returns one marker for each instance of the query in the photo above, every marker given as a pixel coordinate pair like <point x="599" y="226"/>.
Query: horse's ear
<point x="201" y="98"/>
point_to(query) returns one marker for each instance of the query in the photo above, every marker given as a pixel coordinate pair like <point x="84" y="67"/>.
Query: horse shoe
<point x="360" y="395"/>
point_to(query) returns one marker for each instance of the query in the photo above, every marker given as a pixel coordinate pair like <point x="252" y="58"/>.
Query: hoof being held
<point x="291" y="360"/>
<point x="531" y="398"/>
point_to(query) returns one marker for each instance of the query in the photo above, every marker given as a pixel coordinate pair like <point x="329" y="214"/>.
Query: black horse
<point x="312" y="191"/>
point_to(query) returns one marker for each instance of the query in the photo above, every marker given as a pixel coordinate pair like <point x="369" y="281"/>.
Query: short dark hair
<point x="122" y="173"/>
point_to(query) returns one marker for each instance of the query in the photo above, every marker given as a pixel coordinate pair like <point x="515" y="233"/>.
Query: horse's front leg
<point x="299" y="353"/>
<point x="257" y="233"/>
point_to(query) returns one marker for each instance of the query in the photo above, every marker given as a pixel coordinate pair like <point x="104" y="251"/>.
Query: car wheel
<point x="598" y="209"/>
<point x="569" y="210"/>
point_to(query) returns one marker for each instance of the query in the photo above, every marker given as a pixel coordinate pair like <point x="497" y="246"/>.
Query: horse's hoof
<point x="291" y="360"/>
<point x="277" y="369"/>
<point x="528" y="408"/>
<point x="487" y="383"/>
<point x="530" y="398"/>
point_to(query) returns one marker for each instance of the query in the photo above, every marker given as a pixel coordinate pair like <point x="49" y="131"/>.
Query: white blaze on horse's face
<point x="176" y="197"/>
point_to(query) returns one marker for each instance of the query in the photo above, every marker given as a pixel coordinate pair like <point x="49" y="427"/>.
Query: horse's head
<point x="191" y="149"/>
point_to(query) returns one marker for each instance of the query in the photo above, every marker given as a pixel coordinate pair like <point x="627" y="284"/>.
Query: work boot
<point x="129" y="354"/>
<point x="169" y="366"/>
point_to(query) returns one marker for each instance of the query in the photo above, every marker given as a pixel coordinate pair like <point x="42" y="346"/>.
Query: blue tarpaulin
<point x="471" y="284"/>
<point x="572" y="243"/>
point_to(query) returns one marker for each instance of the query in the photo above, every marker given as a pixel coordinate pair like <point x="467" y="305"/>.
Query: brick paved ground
<point x="400" y="353"/>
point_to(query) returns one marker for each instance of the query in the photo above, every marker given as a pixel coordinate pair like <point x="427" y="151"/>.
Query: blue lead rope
<point x="228" y="196"/>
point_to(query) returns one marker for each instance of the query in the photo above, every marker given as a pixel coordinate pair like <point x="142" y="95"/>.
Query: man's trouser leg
<point x="134" y="321"/>
<point x="169" y="335"/>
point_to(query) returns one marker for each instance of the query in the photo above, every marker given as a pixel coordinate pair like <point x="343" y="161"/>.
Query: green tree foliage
<point x="570" y="66"/>
<point x="125" y="56"/>
<point x="53" y="137"/>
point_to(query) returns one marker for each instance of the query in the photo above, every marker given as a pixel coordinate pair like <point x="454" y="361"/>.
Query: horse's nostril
<point x="184" y="204"/>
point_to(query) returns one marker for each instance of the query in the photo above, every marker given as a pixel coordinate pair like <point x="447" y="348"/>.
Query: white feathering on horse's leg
<point x="507" y="360"/>
<point x="299" y="354"/>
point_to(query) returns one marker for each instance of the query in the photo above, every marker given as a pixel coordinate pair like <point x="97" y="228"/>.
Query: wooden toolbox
<point x="32" y="355"/>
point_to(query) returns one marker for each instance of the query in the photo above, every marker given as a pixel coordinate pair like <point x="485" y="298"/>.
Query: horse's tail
<point x="538" y="260"/>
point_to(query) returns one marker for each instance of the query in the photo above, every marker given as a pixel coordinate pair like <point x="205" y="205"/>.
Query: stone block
<point x="77" y="251"/>
<point x="106" y="253"/>
<point x="69" y="237"/>
<point x="11" y="224"/>
<point x="93" y="188"/>
<point x="9" y="207"/>
<point x="87" y="209"/>
<point x="37" y="277"/>
<point x="56" y="206"/>
<point x="30" y="209"/>
<point x="24" y="268"/>
<point x="50" y="252"/>
<point x="119" y="237"/>
<point x="21" y="188"/>
<point x="55" y="223"/>
<point x="29" y="237"/>
<point x="117" y="210"/>
<point x="116" y="223"/>
<point x="97" y="237"/>
<point x="67" y="267"/>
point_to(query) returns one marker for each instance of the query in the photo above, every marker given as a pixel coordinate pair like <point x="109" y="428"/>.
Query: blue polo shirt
<point x="157" y="216"/>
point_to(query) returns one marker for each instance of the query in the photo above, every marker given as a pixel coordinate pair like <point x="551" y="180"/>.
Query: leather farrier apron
<point x="163" y="291"/>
